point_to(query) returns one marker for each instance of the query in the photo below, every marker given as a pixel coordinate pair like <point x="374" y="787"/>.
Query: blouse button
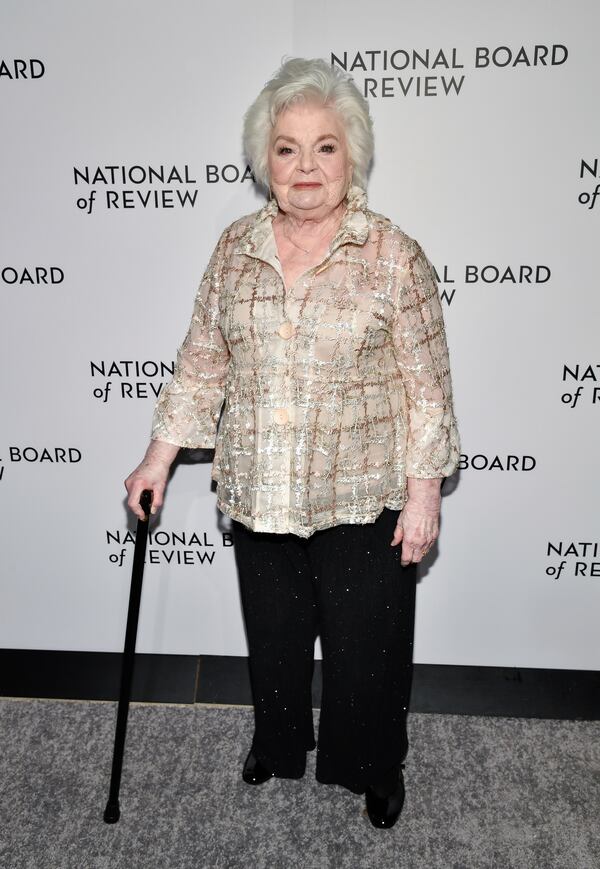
<point x="280" y="415"/>
<point x="286" y="329"/>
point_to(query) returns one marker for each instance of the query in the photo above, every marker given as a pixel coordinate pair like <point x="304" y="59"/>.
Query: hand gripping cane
<point x="112" y="811"/>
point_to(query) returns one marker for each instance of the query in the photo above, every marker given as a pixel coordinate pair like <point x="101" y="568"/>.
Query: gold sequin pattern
<point x="332" y="390"/>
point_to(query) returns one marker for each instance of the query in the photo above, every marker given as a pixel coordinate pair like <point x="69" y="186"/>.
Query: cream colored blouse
<point x="333" y="390"/>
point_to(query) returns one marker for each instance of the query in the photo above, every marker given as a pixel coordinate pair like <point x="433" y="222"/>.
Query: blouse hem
<point x="308" y="530"/>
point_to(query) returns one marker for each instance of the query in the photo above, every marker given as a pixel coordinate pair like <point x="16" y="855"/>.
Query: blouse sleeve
<point x="421" y="351"/>
<point x="188" y="407"/>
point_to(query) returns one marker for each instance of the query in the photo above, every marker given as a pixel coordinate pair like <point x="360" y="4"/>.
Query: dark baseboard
<point x="441" y="688"/>
<point x="96" y="675"/>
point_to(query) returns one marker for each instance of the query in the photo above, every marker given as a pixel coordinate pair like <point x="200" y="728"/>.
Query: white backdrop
<point x="488" y="155"/>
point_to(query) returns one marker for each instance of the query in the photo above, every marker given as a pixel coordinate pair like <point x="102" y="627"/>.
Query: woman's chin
<point x="309" y="198"/>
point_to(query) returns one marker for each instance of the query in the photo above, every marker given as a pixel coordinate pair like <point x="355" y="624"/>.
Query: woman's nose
<point x="307" y="161"/>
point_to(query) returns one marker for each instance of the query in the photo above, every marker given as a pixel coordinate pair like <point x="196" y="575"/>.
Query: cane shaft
<point x="112" y="812"/>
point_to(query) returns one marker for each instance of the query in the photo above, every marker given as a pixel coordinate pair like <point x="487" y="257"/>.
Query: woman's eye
<point x="328" y="149"/>
<point x="284" y="149"/>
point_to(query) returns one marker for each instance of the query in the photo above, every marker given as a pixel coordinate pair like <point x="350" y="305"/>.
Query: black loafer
<point x="383" y="812"/>
<point x="254" y="773"/>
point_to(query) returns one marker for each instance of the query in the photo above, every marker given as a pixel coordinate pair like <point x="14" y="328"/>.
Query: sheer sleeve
<point x="188" y="407"/>
<point x="421" y="351"/>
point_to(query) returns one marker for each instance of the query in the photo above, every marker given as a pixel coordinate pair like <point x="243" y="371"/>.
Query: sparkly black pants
<point x="346" y="584"/>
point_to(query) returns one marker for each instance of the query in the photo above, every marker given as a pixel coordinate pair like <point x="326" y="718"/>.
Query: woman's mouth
<point x="307" y="184"/>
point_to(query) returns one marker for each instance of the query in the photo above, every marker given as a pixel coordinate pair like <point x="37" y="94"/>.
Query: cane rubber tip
<point x="112" y="813"/>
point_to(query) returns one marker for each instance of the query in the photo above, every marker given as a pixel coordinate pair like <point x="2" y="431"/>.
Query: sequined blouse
<point x="332" y="390"/>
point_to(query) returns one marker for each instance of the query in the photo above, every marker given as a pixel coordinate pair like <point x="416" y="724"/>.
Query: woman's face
<point x="309" y="165"/>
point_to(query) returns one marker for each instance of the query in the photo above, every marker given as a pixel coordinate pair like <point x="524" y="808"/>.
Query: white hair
<point x="296" y="80"/>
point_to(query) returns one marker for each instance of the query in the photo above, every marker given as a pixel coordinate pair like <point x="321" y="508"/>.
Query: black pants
<point x="345" y="583"/>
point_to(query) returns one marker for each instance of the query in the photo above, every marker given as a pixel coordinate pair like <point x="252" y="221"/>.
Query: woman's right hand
<point x="152" y="473"/>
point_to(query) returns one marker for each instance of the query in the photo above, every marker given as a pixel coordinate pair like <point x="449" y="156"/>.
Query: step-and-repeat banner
<point x="121" y="164"/>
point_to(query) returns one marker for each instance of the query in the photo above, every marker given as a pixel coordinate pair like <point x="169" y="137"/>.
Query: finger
<point x="407" y="551"/>
<point x="134" y="500"/>
<point x="417" y="554"/>
<point x="424" y="550"/>
<point x="157" y="498"/>
<point x="137" y="511"/>
<point x="398" y="534"/>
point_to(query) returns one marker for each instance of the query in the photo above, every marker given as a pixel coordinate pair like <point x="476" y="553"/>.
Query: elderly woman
<point x="317" y="329"/>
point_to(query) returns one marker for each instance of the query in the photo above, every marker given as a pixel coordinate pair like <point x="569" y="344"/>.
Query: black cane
<point x="112" y="811"/>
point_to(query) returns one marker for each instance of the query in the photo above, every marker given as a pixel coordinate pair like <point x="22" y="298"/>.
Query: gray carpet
<point x="481" y="792"/>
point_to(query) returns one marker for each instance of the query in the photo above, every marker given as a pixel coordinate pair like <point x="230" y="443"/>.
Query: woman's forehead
<point x="306" y="118"/>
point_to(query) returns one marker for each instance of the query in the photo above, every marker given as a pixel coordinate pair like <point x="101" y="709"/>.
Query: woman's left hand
<point x="419" y="520"/>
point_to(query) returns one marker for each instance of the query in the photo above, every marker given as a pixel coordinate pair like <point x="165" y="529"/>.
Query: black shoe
<point x="254" y="773"/>
<point x="383" y="812"/>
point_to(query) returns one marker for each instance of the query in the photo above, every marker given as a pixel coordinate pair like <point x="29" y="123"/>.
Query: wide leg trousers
<point x="346" y="584"/>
